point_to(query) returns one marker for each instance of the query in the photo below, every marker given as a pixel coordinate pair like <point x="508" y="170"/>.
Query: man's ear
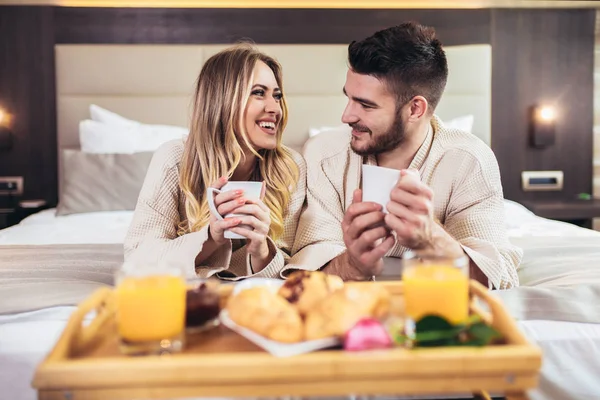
<point x="417" y="108"/>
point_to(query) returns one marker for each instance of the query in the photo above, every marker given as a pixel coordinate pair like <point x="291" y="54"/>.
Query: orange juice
<point x="441" y="290"/>
<point x="150" y="307"/>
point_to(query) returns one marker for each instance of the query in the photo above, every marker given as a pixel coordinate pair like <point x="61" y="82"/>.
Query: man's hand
<point x="411" y="211"/>
<point x="363" y="230"/>
<point x="411" y="218"/>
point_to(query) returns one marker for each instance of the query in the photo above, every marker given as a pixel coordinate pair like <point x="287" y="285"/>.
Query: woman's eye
<point x="258" y="92"/>
<point x="278" y="96"/>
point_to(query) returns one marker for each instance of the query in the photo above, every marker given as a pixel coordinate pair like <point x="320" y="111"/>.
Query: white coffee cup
<point x="252" y="191"/>
<point x="377" y="184"/>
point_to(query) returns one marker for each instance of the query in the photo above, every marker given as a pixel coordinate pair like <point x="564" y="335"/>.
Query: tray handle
<point x="498" y="316"/>
<point x="102" y="302"/>
<point x="76" y="335"/>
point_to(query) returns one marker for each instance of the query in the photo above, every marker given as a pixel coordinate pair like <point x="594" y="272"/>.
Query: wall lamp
<point x="6" y="135"/>
<point x="543" y="126"/>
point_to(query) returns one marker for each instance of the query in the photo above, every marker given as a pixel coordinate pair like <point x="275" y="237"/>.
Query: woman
<point x="237" y="124"/>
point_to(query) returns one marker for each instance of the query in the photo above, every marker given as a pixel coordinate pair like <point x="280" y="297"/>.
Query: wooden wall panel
<point x="27" y="92"/>
<point x="156" y="25"/>
<point x="543" y="56"/>
<point x="538" y="55"/>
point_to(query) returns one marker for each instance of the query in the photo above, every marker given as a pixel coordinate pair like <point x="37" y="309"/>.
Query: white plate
<point x="278" y="349"/>
<point x="273" y="284"/>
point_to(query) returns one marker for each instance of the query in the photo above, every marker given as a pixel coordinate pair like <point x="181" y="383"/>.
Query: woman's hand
<point x="225" y="202"/>
<point x="257" y="218"/>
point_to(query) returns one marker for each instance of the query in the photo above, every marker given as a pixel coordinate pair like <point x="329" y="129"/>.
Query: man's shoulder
<point x="329" y="143"/>
<point x="456" y="141"/>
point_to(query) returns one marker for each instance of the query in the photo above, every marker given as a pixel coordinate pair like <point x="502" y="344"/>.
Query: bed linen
<point x="556" y="305"/>
<point x="46" y="227"/>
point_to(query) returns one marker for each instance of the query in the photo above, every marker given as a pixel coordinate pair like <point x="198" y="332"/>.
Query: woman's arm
<point x="153" y="235"/>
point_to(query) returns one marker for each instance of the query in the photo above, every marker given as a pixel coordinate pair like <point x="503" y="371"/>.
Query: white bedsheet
<point x="47" y="228"/>
<point x="571" y="349"/>
<point x="111" y="227"/>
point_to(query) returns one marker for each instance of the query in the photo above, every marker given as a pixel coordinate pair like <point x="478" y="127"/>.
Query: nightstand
<point x="13" y="215"/>
<point x="578" y="212"/>
<point x="8" y="217"/>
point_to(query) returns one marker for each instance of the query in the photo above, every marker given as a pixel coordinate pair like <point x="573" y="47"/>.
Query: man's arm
<point x="476" y="219"/>
<point x="442" y="243"/>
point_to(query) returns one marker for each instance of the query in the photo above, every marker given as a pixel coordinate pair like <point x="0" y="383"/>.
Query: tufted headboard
<point x="153" y="84"/>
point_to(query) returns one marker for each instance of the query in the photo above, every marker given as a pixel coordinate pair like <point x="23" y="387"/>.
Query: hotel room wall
<point x="596" y="158"/>
<point x="538" y="55"/>
<point x="27" y="94"/>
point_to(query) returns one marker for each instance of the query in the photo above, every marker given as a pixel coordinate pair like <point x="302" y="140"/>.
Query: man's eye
<point x="366" y="106"/>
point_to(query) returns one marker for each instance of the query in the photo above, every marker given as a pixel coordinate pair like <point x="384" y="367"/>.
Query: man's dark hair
<point x="408" y="58"/>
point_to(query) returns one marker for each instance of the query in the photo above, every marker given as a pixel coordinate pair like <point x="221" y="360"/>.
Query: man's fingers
<point x="403" y="229"/>
<point x="402" y="212"/>
<point x="373" y="235"/>
<point x="357" y="209"/>
<point x="367" y="240"/>
<point x="410" y="183"/>
<point x="363" y="222"/>
<point x="372" y="256"/>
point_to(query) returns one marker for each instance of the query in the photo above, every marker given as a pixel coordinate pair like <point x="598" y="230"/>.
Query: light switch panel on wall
<point x="542" y="180"/>
<point x="11" y="185"/>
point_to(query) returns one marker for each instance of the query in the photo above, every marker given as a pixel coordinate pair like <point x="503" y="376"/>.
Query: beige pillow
<point x="101" y="182"/>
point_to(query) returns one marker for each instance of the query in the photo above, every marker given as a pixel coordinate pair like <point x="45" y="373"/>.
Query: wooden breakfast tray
<point x="86" y="364"/>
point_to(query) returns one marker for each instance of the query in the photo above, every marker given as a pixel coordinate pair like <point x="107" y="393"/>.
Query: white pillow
<point x="315" y="131"/>
<point x="100" y="114"/>
<point x="96" y="137"/>
<point x="148" y="137"/>
<point x="464" y="123"/>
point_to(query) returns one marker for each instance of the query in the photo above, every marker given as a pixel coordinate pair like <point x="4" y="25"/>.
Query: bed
<point x="50" y="262"/>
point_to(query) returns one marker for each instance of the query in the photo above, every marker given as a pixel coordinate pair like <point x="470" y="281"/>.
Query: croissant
<point x="343" y="309"/>
<point x="306" y="289"/>
<point x="266" y="313"/>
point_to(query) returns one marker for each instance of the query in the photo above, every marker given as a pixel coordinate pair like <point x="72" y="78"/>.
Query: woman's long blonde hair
<point x="213" y="148"/>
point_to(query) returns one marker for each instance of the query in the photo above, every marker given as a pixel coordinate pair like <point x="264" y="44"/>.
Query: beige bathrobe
<point x="160" y="207"/>
<point x="468" y="200"/>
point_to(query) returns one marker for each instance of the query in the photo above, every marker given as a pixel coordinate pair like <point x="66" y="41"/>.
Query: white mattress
<point x="571" y="349"/>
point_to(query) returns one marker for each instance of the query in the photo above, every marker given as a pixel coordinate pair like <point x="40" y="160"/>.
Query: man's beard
<point x="388" y="141"/>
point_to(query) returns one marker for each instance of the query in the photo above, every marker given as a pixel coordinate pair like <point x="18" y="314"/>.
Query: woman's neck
<point x="245" y="169"/>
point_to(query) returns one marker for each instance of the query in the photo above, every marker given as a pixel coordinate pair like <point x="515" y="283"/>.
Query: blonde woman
<point x="238" y="120"/>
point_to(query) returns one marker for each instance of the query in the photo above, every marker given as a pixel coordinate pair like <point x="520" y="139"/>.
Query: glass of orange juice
<point x="150" y="308"/>
<point x="435" y="286"/>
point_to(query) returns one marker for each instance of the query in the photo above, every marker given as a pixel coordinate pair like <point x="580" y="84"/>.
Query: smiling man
<point x="448" y="201"/>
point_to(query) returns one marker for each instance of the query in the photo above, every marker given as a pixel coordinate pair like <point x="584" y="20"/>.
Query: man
<point x="448" y="201"/>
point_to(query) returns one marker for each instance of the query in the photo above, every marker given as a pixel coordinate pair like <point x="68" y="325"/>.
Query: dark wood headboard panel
<point x="276" y="26"/>
<point x="538" y="55"/>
